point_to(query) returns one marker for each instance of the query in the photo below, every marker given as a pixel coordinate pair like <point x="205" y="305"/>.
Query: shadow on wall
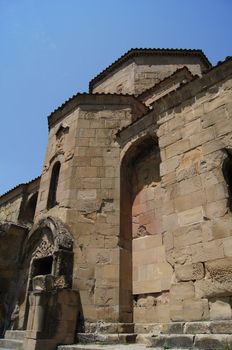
<point x="139" y="175"/>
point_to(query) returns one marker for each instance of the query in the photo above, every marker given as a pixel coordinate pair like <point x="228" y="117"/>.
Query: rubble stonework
<point x="138" y="177"/>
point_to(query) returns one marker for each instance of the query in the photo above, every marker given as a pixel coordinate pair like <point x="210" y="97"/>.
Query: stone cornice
<point x="178" y="96"/>
<point x="193" y="88"/>
<point x="131" y="54"/>
<point x="92" y="100"/>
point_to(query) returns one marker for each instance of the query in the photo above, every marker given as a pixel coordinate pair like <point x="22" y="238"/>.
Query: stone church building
<point x="127" y="233"/>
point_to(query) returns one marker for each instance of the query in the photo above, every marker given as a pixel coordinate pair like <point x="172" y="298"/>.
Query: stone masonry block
<point x="147" y="242"/>
<point x="197" y="327"/>
<point x="196" y="309"/>
<point x="207" y="288"/>
<point x="191" y="216"/>
<point x="190" y="185"/>
<point x="177" y="311"/>
<point x="207" y="251"/>
<point x="202" y="137"/>
<point x="216" y="210"/>
<point x="213" y="117"/>
<point x="181" y="291"/>
<point x="220" y="270"/>
<point x="191" y="128"/>
<point x="169" y="165"/>
<point x="216" y="192"/>
<point x="220" y="310"/>
<point x="169" y="138"/>
<point x="210" y="341"/>
<point x="187" y="235"/>
<point x="189" y="201"/>
<point x="189" y="272"/>
<point x="222" y="227"/>
<point x="223" y="127"/>
<point x="177" y="148"/>
<point x="227" y="246"/>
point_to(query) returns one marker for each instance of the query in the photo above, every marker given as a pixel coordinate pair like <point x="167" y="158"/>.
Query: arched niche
<point x="29" y="209"/>
<point x="139" y="185"/>
<point x="48" y="252"/>
<point x="52" y="194"/>
<point x="227" y="173"/>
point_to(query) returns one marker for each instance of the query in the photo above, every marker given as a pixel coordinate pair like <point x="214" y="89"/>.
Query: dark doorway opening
<point x="42" y="266"/>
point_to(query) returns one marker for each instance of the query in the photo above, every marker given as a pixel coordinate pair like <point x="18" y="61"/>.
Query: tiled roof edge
<point x="146" y="51"/>
<point x="161" y="100"/>
<point x="60" y="108"/>
<point x="18" y="186"/>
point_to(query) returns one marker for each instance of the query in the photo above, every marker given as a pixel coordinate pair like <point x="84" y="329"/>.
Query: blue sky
<point x="50" y="49"/>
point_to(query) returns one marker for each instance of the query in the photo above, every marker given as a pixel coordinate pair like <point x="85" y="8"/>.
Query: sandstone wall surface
<point x="194" y="140"/>
<point x="197" y="230"/>
<point x="88" y="196"/>
<point x="9" y="211"/>
<point x="143" y="72"/>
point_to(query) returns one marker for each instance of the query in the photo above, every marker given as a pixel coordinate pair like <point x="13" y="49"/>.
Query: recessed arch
<point x="52" y="194"/>
<point x="30" y="207"/>
<point x="139" y="176"/>
<point x="48" y="249"/>
<point x="227" y="173"/>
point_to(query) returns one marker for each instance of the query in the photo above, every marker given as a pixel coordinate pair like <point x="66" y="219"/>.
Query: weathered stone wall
<point x="61" y="145"/>
<point x="9" y="210"/>
<point x="120" y="82"/>
<point x="88" y="202"/>
<point x="94" y="217"/>
<point x="17" y="205"/>
<point x="194" y="206"/>
<point x="148" y="206"/>
<point x="144" y="72"/>
<point x="16" y="215"/>
<point x="197" y="228"/>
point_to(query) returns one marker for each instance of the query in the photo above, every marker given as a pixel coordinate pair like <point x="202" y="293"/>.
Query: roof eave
<point x="148" y="52"/>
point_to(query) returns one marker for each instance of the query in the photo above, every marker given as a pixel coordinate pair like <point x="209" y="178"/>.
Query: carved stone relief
<point x="45" y="248"/>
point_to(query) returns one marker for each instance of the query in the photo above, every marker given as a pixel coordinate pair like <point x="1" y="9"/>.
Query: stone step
<point x="162" y="342"/>
<point x="11" y="344"/>
<point x="102" y="338"/>
<point x="186" y="341"/>
<point x="109" y="328"/>
<point x="102" y="347"/>
<point x="16" y="335"/>
<point x="202" y="327"/>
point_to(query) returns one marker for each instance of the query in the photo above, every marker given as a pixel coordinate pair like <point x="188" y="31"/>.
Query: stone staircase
<point x="12" y="340"/>
<point x="213" y="335"/>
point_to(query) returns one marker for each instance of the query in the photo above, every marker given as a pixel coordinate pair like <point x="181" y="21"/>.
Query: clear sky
<point x="50" y="49"/>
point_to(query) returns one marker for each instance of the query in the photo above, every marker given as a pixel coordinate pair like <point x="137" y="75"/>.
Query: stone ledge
<point x="201" y="327"/>
<point x="15" y="335"/>
<point x="11" y="344"/>
<point x="101" y="347"/>
<point x="123" y="338"/>
<point x="167" y="341"/>
<point x="109" y="328"/>
<point x="213" y="341"/>
<point x="160" y="328"/>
